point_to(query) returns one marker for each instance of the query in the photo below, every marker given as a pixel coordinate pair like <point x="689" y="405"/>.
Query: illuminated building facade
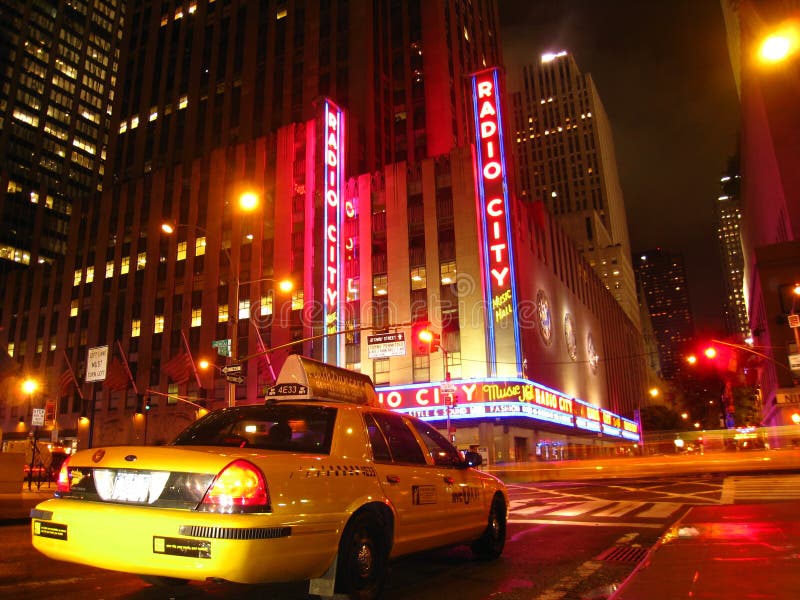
<point x="58" y="63"/>
<point x="565" y="156"/>
<point x="763" y="43"/>
<point x="728" y="214"/>
<point x="662" y="277"/>
<point x="377" y="201"/>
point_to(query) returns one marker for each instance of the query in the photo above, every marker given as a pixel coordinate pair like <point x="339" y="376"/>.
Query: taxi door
<point x="466" y="504"/>
<point x="408" y="481"/>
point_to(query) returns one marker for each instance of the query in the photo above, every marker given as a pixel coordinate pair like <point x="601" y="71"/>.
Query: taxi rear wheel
<point x="490" y="544"/>
<point x="363" y="558"/>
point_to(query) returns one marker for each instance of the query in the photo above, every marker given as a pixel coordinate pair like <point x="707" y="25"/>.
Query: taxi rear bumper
<point x="186" y="545"/>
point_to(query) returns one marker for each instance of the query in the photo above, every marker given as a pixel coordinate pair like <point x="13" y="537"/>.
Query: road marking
<point x="660" y="510"/>
<point x="530" y="510"/>
<point x="760" y="488"/>
<point x="579" y="509"/>
<point x="589" y="523"/>
<point x="620" y="509"/>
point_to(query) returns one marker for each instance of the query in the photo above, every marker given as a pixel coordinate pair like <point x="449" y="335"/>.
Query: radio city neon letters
<point x="333" y="210"/>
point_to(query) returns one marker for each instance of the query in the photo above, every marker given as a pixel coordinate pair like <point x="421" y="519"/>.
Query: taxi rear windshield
<point x="288" y="427"/>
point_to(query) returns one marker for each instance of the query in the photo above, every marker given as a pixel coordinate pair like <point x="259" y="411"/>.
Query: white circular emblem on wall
<point x="544" y="317"/>
<point x="590" y="350"/>
<point x="569" y="335"/>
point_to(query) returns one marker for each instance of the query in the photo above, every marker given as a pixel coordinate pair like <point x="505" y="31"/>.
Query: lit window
<point x="77" y="276"/>
<point x="281" y="14"/>
<point x="222" y="313"/>
<point x="181" y="251"/>
<point x="125" y="266"/>
<point x="380" y="284"/>
<point x="266" y="306"/>
<point x="13" y="186"/>
<point x="73" y="308"/>
<point x="419" y="279"/>
<point x="123" y="127"/>
<point x="158" y="324"/>
<point x="109" y="269"/>
<point x="200" y="246"/>
<point x="197" y="317"/>
<point x="10" y="349"/>
<point x="466" y="34"/>
<point x="31" y="120"/>
<point x="297" y="300"/>
<point x="141" y="261"/>
<point x="34" y="198"/>
<point x="448" y="272"/>
<point x="183" y="102"/>
<point x="153" y="114"/>
<point x="244" y="309"/>
<point x="134" y="122"/>
<point x="89" y="274"/>
<point x="136" y="328"/>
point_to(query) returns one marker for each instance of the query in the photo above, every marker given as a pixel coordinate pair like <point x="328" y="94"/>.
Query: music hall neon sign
<point x="495" y="225"/>
<point x="505" y="398"/>
<point x="333" y="174"/>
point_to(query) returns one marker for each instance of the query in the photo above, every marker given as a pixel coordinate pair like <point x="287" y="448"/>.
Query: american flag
<point x="179" y="368"/>
<point x="66" y="380"/>
<point x="116" y="376"/>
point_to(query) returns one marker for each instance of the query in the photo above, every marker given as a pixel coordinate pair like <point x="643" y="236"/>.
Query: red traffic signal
<point x="429" y="341"/>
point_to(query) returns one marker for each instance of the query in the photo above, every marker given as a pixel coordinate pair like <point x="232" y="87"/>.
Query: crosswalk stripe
<point x="529" y="510"/>
<point x="786" y="487"/>
<point x="660" y="510"/>
<point x="579" y="509"/>
<point x="620" y="509"/>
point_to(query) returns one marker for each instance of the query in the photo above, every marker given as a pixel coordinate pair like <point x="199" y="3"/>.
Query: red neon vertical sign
<point x="495" y="224"/>
<point x="332" y="188"/>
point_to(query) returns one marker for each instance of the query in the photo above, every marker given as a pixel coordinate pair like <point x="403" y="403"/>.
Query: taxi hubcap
<point x="364" y="560"/>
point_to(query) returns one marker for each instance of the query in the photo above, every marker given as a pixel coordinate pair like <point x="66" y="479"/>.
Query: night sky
<point x="662" y="70"/>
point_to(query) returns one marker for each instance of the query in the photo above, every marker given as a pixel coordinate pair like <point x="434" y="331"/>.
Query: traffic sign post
<point x="223" y="347"/>
<point x="238" y="379"/>
<point x="231" y="369"/>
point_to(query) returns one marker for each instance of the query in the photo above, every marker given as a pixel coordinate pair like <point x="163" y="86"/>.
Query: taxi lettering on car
<point x="317" y="483"/>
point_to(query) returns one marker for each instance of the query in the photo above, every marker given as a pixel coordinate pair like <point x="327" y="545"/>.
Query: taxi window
<point x="380" y="449"/>
<point x="442" y="451"/>
<point x="289" y="427"/>
<point x="402" y="444"/>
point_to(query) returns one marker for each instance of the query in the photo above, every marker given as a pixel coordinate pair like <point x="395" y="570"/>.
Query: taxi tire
<point x="363" y="558"/>
<point x="490" y="545"/>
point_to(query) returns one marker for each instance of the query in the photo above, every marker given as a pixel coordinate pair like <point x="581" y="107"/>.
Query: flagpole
<point x="74" y="379"/>
<point x="194" y="366"/>
<point x="127" y="368"/>
<point x="263" y="348"/>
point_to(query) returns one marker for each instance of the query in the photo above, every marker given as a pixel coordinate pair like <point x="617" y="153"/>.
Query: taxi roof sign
<point x="304" y="378"/>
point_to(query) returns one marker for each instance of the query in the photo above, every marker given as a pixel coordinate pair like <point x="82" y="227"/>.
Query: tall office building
<point x="355" y="125"/>
<point x="763" y="42"/>
<point x="58" y="62"/>
<point x="565" y="157"/>
<point x="662" y="278"/>
<point x="728" y="214"/>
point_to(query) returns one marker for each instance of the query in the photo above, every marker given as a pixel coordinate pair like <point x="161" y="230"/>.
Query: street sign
<point x="223" y="347"/>
<point x="37" y="420"/>
<point x="384" y="345"/>
<point x="447" y="387"/>
<point x="230" y="369"/>
<point x="794" y="362"/>
<point x="794" y="320"/>
<point x="234" y="379"/>
<point x="96" y="362"/>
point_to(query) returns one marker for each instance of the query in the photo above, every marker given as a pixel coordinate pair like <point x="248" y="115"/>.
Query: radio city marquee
<point x="505" y="398"/>
<point x="502" y="324"/>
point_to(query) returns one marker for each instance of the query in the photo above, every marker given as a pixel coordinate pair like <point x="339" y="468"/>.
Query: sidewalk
<point x="723" y="551"/>
<point x="16" y="508"/>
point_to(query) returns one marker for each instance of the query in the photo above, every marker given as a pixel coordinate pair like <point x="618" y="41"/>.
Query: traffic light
<point x="428" y="341"/>
<point x="147" y="404"/>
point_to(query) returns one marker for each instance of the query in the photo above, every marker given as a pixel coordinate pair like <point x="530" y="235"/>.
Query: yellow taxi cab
<point x="317" y="483"/>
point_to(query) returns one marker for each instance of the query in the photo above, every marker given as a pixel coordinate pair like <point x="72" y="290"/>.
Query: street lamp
<point x="779" y="45"/>
<point x="30" y="387"/>
<point x="248" y="201"/>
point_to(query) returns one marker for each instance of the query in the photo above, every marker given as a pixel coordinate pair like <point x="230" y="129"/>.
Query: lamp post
<point x="29" y="387"/>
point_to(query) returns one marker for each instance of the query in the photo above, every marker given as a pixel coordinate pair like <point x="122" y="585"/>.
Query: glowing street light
<point x="779" y="45"/>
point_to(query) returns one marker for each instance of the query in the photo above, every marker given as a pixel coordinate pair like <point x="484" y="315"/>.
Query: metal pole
<point x="235" y="322"/>
<point x="91" y="415"/>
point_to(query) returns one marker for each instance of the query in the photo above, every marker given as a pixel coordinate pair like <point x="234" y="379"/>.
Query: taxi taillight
<point x="239" y="487"/>
<point x="62" y="485"/>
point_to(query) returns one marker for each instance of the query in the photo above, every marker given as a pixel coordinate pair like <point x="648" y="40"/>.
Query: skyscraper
<point x="727" y="210"/>
<point x="662" y="277"/>
<point x="58" y="62"/>
<point x="374" y="138"/>
<point x="565" y="156"/>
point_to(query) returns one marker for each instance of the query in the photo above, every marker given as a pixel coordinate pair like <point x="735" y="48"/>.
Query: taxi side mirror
<point x="473" y="459"/>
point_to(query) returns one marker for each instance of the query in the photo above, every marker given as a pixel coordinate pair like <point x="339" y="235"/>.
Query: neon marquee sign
<point x="333" y="175"/>
<point x="505" y="398"/>
<point x="495" y="225"/>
